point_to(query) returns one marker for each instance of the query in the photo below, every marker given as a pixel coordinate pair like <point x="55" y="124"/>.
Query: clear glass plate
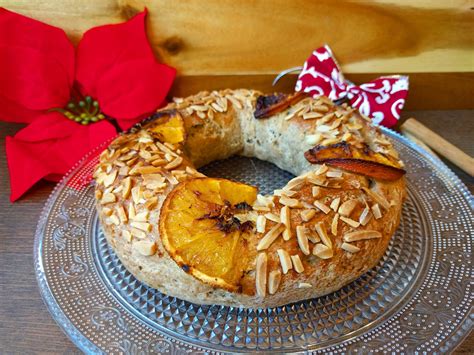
<point x="418" y="299"/>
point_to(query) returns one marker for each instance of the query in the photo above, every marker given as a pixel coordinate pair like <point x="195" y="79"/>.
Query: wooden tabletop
<point x="25" y="324"/>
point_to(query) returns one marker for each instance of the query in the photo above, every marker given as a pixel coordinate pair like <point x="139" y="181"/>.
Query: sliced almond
<point x="377" y="197"/>
<point x="270" y="237"/>
<point x="321" y="170"/>
<point x="113" y="219"/>
<point x="306" y="215"/>
<point x="174" y="164"/>
<point x="272" y="217"/>
<point x="315" y="190"/>
<point x="285" y="216"/>
<point x="321" y="206"/>
<point x="334" y="223"/>
<point x="347" y="207"/>
<point x="313" y="139"/>
<point x="122" y="214"/>
<point x="285" y="260"/>
<point x="146" y="170"/>
<point x="295" y="183"/>
<point x="322" y="251"/>
<point x="137" y="194"/>
<point x="107" y="211"/>
<point x="127" y="187"/>
<point x="107" y="198"/>
<point x="144" y="226"/>
<point x="365" y="216"/>
<point x="350" y="247"/>
<point x="261" y="274"/>
<point x="349" y="221"/>
<point x="376" y="211"/>
<point x="110" y="178"/>
<point x="131" y="211"/>
<point x="335" y="204"/>
<point x="362" y="235"/>
<point x="274" y="279"/>
<point x="151" y="203"/>
<point x="137" y="233"/>
<point x="261" y="208"/>
<point x="304" y="285"/>
<point x="141" y="217"/>
<point x="261" y="223"/>
<point x="265" y="201"/>
<point x="127" y="235"/>
<point x="334" y="174"/>
<point x="313" y="238"/>
<point x="297" y="264"/>
<point x="290" y="202"/>
<point x="98" y="194"/>
<point x="145" y="247"/>
<point x="311" y="115"/>
<point x="321" y="230"/>
<point x="302" y="239"/>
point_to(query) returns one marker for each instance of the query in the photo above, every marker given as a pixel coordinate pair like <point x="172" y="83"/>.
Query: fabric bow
<point x="381" y="99"/>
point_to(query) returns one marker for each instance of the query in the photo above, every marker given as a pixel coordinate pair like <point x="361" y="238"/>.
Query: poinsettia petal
<point x="12" y="111"/>
<point x="105" y="46"/>
<point x="134" y="88"/>
<point x="36" y="63"/>
<point x="29" y="162"/>
<point x="52" y="125"/>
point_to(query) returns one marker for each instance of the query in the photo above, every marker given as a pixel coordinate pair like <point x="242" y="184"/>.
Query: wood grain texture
<point x="223" y="37"/>
<point x="25" y="324"/>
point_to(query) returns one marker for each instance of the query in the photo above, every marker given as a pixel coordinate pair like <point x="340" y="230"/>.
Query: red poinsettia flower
<point x="73" y="99"/>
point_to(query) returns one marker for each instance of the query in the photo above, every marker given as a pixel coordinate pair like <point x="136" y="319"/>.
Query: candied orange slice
<point x="168" y="127"/>
<point x="360" y="161"/>
<point x="201" y="230"/>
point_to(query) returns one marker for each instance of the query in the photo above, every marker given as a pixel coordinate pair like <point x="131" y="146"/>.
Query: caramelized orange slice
<point x="201" y="230"/>
<point x="168" y="127"/>
<point x="361" y="161"/>
<point x="272" y="104"/>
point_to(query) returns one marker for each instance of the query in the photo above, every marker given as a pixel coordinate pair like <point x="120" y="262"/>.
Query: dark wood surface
<point x="25" y="324"/>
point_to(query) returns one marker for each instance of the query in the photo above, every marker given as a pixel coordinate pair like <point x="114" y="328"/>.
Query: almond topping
<point x="362" y="235"/>
<point x="270" y="237"/>
<point x="335" y="220"/>
<point x="306" y="215"/>
<point x="285" y="219"/>
<point x="313" y="238"/>
<point x="265" y="201"/>
<point x="376" y="211"/>
<point x="322" y="251"/>
<point x="365" y="216"/>
<point x="316" y="190"/>
<point x="377" y="198"/>
<point x="261" y="223"/>
<point x="107" y="198"/>
<point x="290" y="202"/>
<point x="151" y="203"/>
<point x="351" y="222"/>
<point x="273" y="217"/>
<point x="261" y="208"/>
<point x="334" y="174"/>
<point x="321" y="230"/>
<point x="321" y="206"/>
<point x="98" y="194"/>
<point x="146" y="227"/>
<point x="122" y="214"/>
<point x="136" y="194"/>
<point x="145" y="247"/>
<point x="350" y="247"/>
<point x="127" y="186"/>
<point x="113" y="219"/>
<point x="137" y="233"/>
<point x="106" y="211"/>
<point x="313" y="139"/>
<point x="146" y="170"/>
<point x="261" y="274"/>
<point x="321" y="170"/>
<point x="297" y="264"/>
<point x="110" y="178"/>
<point x="335" y="204"/>
<point x="302" y="239"/>
<point x="294" y="183"/>
<point x="285" y="260"/>
<point x="311" y="115"/>
<point x="174" y="164"/>
<point x="131" y="211"/>
<point x="127" y="235"/>
<point x="274" y="279"/>
<point x="347" y="207"/>
<point x="141" y="217"/>
<point x="304" y="285"/>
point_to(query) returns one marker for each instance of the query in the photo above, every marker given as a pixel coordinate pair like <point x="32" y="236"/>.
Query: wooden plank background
<point x="228" y="43"/>
<point x="242" y="42"/>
